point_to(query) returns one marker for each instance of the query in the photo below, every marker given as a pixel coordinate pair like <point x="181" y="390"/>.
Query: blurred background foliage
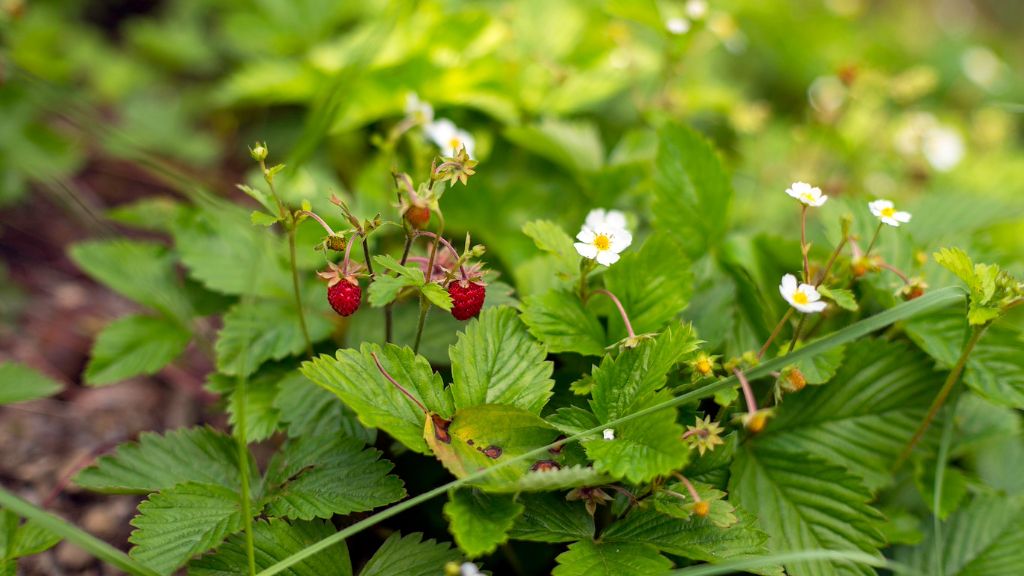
<point x="920" y="102"/>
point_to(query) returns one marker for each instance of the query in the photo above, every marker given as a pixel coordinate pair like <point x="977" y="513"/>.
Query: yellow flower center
<point x="455" y="143"/>
<point x="888" y="212"/>
<point x="807" y="197"/>
<point x="602" y="242"/>
<point x="799" y="297"/>
<point x="704" y="365"/>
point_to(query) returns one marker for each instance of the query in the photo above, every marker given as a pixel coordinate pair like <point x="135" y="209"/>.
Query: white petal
<point x="595" y="218"/>
<point x="877" y="206"/>
<point x="586" y="250"/>
<point x="902" y="216"/>
<point x="615" y="219"/>
<point x="586" y="235"/>
<point x="620" y="240"/>
<point x="891" y="221"/>
<point x="810" y="291"/>
<point x="788" y="286"/>
<point x="820" y="200"/>
<point x="440" y="132"/>
<point x="607" y="258"/>
<point x="811" y="307"/>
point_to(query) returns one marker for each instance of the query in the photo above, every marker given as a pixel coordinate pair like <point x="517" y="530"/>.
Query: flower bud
<point x="793" y="380"/>
<point x="259" y="152"/>
<point x="701" y="508"/>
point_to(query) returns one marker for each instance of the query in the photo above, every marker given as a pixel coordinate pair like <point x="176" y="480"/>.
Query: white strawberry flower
<point x="697" y="9"/>
<point x="804" y="297"/>
<point x="601" y="218"/>
<point x="469" y="569"/>
<point x="677" y="25"/>
<point x="608" y="434"/>
<point x="603" y="237"/>
<point x="449" y="137"/>
<point x="809" y="195"/>
<point x="419" y="111"/>
<point x="886" y="212"/>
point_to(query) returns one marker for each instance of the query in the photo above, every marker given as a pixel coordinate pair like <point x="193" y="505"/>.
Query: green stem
<point x="831" y="261"/>
<point x="940" y="473"/>
<point x="243" y="468"/>
<point x="68" y="531"/>
<point x="873" y="240"/>
<point x="586" y="266"/>
<point x="803" y="242"/>
<point x="947" y="387"/>
<point x="424" y="308"/>
<point x="796" y="333"/>
<point x="298" y="292"/>
<point x="775" y="332"/>
<point x="929" y="302"/>
<point x="424" y="304"/>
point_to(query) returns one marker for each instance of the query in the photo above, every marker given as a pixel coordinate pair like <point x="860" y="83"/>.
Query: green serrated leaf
<point x="134" y="345"/>
<point x="624" y="384"/>
<point x="384" y="289"/>
<point x="19" y="383"/>
<point x="954" y="487"/>
<point x="478" y="521"/>
<point x="175" y="524"/>
<point x="642" y="448"/>
<point x="557" y="479"/>
<point x="410" y="555"/>
<point x="259" y="330"/>
<point x="821" y="368"/>
<point x="275" y="540"/>
<point x="437" y="296"/>
<point x="308" y="410"/>
<point x="695" y="538"/>
<point x="259" y="196"/>
<point x="692" y="190"/>
<point x="841" y="296"/>
<point x="141" y="271"/>
<point x="495" y="361"/>
<point x="864" y="417"/>
<point x="261" y="218"/>
<point x="549" y="517"/>
<point x="482" y="436"/>
<point x="317" y="477"/>
<point x="559" y="320"/>
<point x="353" y="376"/>
<point x="411" y="273"/>
<point x="155" y="462"/>
<point x="589" y="558"/>
<point x="653" y="283"/>
<point x="804" y="503"/>
<point x="552" y="239"/>
<point x="985" y="538"/>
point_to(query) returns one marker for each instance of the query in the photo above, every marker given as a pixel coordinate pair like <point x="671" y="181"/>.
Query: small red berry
<point x="418" y="216"/>
<point x="467" y="298"/>
<point x="345" y="296"/>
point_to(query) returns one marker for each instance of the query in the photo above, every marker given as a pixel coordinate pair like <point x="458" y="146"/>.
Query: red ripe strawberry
<point x="345" y="296"/>
<point x="467" y="298"/>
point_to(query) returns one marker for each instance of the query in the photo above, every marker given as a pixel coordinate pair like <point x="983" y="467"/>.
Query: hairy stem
<point x="775" y="332"/>
<point x="424" y="308"/>
<point x="298" y="292"/>
<point x="874" y="239"/>
<point x="243" y="468"/>
<point x="796" y="333"/>
<point x="622" y="311"/>
<point x="748" y="392"/>
<point x="689" y="486"/>
<point x="894" y="270"/>
<point x="831" y="261"/>
<point x="424" y="304"/>
<point x="316" y="217"/>
<point x="389" y="309"/>
<point x="940" y="399"/>
<point x="804" y="249"/>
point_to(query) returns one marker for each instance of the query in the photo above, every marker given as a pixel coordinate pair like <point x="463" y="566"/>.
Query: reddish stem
<point x="622" y="311"/>
<point x="447" y="245"/>
<point x="775" y="332"/>
<point x="318" y="219"/>
<point x="748" y="393"/>
<point x="895" y="271"/>
<point x="689" y="486"/>
<point x="397" y="385"/>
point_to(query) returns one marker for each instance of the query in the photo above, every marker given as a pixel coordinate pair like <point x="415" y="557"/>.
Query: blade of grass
<point x="68" y="531"/>
<point x="935" y="300"/>
<point x="747" y="564"/>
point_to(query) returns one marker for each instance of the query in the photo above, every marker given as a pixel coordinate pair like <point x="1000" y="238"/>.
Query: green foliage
<point x="196" y="455"/>
<point x="549" y="517"/>
<point x="134" y="345"/>
<point x="275" y="540"/>
<point x="410" y="555"/>
<point x="654" y="285"/>
<point x="692" y="190"/>
<point x="386" y="288"/>
<point x="495" y="361"/>
<point x="561" y="322"/>
<point x="320" y="476"/>
<point x="19" y="539"/>
<point x="177" y="523"/>
<point x="19" y="383"/>
<point x="354" y="377"/>
<point x="804" y="503"/>
<point x="842" y="297"/>
<point x="478" y="521"/>
<point x="588" y="558"/>
<point x="256" y="331"/>
<point x="991" y="288"/>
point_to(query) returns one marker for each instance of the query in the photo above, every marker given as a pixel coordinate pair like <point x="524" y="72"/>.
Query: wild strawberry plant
<point x="664" y="391"/>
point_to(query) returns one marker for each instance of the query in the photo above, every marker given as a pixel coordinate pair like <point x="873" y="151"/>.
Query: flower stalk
<point x="622" y="311"/>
